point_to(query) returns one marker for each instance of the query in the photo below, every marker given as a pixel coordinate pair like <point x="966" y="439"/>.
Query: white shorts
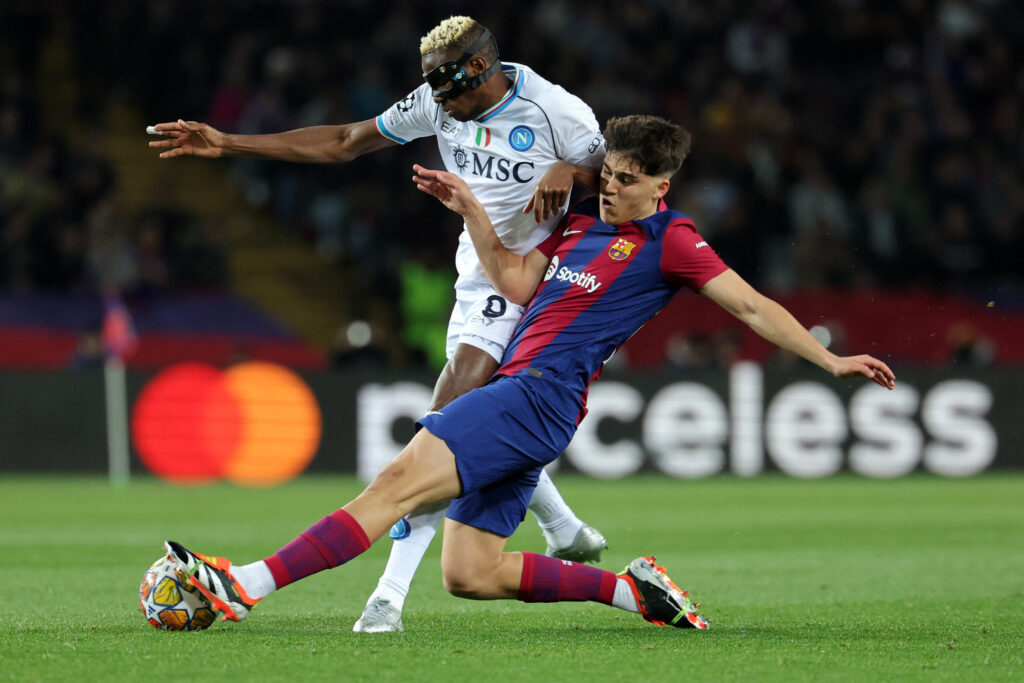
<point x="484" y="319"/>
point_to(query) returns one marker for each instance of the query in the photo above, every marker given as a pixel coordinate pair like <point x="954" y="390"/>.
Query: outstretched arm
<point x="774" y="323"/>
<point x="515" y="277"/>
<point x="317" y="144"/>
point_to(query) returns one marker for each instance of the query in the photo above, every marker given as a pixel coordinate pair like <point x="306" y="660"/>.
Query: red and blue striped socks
<point x="548" y="579"/>
<point x="333" y="541"/>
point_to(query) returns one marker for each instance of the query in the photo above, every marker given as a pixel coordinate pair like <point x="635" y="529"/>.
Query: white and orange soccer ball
<point x="169" y="601"/>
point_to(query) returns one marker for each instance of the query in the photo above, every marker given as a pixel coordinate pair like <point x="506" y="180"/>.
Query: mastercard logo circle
<point x="255" y="424"/>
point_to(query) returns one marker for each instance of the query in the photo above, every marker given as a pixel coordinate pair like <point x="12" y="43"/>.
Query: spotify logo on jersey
<point x="255" y="424"/>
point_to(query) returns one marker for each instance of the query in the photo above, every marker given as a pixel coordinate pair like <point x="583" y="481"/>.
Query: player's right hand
<point x="189" y="137"/>
<point x="450" y="189"/>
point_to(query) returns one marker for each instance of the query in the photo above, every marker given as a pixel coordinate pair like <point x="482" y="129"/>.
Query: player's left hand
<point x="866" y="366"/>
<point x="551" y="192"/>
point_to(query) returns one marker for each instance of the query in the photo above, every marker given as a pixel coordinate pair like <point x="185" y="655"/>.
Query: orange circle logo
<point x="256" y="424"/>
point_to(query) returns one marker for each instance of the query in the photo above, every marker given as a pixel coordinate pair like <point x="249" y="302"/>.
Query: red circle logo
<point x="256" y="424"/>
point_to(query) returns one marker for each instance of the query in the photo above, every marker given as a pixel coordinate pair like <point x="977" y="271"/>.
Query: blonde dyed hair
<point x="446" y="34"/>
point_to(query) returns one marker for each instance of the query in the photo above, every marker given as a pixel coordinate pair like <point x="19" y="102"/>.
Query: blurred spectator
<point x="968" y="349"/>
<point x="110" y="254"/>
<point x="880" y="237"/>
<point x="16" y="252"/>
<point x="688" y="351"/>
<point x="726" y="348"/>
<point x="959" y="249"/>
<point x="89" y="352"/>
<point x="700" y="350"/>
<point x="426" y="305"/>
<point x="821" y="226"/>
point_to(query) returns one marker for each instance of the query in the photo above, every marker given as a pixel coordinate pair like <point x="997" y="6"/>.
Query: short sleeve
<point x="575" y="222"/>
<point x="409" y="118"/>
<point x="550" y="245"/>
<point x="578" y="138"/>
<point x="686" y="258"/>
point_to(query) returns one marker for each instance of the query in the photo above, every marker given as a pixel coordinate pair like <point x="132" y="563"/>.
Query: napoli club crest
<point x="521" y="138"/>
<point x="621" y="250"/>
<point x="400" y="530"/>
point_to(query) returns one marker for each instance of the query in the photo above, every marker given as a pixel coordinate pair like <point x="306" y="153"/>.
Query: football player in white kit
<point x="519" y="142"/>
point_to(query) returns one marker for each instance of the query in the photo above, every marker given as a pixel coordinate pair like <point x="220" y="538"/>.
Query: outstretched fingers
<point x="168" y="127"/>
<point x="169" y="139"/>
<point x="879" y="372"/>
<point x="429" y="181"/>
<point x="171" y="153"/>
<point x="872" y="368"/>
<point x="173" y="134"/>
<point x="440" y="184"/>
<point x="430" y="174"/>
<point x="433" y="188"/>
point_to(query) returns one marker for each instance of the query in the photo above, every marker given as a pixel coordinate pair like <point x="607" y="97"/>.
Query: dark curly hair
<point x="658" y="145"/>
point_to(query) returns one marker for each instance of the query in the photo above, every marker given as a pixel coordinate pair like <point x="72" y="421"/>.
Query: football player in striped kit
<point x="614" y="262"/>
<point x="519" y="142"/>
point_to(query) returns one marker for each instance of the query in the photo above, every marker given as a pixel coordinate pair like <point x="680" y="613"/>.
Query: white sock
<point x="256" y="579"/>
<point x="555" y="517"/>
<point x="406" y="555"/>
<point x="624" y="598"/>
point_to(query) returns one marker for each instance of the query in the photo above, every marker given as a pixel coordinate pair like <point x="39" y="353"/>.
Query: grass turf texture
<point x="837" y="579"/>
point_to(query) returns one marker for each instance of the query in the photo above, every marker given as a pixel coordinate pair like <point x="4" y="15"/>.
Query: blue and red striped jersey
<point x="602" y="284"/>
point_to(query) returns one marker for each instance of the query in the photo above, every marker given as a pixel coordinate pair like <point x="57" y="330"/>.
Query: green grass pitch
<point x="839" y="579"/>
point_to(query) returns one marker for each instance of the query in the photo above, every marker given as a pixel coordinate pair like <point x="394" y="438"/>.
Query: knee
<point x="466" y="582"/>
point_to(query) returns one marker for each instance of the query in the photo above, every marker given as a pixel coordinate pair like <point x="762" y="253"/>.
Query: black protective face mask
<point x="452" y="77"/>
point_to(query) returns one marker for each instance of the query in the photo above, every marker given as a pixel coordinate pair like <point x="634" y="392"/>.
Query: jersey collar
<point x="515" y="74"/>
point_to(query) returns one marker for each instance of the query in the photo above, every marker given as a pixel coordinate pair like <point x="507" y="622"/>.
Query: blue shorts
<point x="502" y="434"/>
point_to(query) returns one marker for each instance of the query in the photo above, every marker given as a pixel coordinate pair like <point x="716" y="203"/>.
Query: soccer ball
<point x="170" y="601"/>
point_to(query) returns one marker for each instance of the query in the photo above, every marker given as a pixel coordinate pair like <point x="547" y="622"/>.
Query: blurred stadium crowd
<point x="62" y="228"/>
<point x="841" y="144"/>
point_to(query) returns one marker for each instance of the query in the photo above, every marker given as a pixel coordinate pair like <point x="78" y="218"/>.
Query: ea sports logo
<point x="552" y="267"/>
<point x="256" y="424"/>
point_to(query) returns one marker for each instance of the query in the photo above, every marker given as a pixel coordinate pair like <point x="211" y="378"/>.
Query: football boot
<point x="212" y="576"/>
<point x="585" y="547"/>
<point x="660" y="601"/>
<point x="379" y="616"/>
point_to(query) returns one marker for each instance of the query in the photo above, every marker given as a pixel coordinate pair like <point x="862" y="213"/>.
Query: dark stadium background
<point x="860" y="161"/>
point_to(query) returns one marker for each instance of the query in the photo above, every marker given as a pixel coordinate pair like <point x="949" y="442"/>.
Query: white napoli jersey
<point x="502" y="154"/>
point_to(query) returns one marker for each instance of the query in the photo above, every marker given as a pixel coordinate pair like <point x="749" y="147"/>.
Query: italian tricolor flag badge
<point x="483" y="137"/>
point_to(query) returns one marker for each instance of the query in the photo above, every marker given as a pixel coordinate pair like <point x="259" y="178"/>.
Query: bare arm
<point x="774" y="323"/>
<point x="317" y="144"/>
<point x="587" y="176"/>
<point x="553" y="188"/>
<point x="515" y="277"/>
